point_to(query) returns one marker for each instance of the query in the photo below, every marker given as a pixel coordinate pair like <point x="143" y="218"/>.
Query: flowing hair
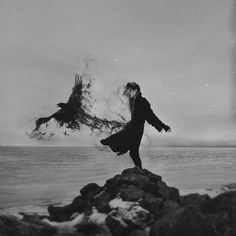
<point x="131" y="100"/>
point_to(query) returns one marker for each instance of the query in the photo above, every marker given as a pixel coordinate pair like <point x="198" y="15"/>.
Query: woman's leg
<point x="134" y="154"/>
<point x="134" y="150"/>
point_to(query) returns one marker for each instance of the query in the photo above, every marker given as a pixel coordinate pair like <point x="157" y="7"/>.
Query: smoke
<point x="49" y="131"/>
<point x="103" y="116"/>
<point x="77" y="113"/>
<point x="114" y="106"/>
<point x="111" y="106"/>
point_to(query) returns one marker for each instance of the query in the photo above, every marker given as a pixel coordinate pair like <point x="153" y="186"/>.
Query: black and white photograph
<point x="118" y="118"/>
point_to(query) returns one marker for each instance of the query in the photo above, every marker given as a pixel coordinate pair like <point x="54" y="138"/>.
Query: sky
<point x="181" y="52"/>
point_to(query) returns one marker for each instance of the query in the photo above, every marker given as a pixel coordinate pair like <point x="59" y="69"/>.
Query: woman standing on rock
<point x="129" y="138"/>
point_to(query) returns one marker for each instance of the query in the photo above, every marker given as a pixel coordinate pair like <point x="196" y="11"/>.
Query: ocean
<point x="31" y="178"/>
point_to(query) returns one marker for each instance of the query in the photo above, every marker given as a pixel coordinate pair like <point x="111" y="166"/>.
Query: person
<point x="129" y="138"/>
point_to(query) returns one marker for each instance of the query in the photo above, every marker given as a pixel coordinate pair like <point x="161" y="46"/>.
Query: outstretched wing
<point x="76" y="97"/>
<point x="76" y="112"/>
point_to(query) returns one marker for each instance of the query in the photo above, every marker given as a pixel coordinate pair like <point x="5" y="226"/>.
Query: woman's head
<point x="130" y="89"/>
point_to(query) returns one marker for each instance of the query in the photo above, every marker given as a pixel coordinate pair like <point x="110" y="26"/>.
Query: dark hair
<point x="133" y="86"/>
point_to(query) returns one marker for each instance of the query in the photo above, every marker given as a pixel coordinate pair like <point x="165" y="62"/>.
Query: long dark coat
<point x="130" y="136"/>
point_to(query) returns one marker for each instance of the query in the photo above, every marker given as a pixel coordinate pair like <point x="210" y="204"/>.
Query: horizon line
<point x="220" y="146"/>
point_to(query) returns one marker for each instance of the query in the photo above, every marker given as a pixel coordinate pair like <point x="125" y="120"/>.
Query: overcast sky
<point x="179" y="51"/>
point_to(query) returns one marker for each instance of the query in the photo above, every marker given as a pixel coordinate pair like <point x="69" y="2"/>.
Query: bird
<point x="76" y="112"/>
<point x="70" y="113"/>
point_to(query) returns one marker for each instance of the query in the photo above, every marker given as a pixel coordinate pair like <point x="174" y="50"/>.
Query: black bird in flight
<point x="76" y="111"/>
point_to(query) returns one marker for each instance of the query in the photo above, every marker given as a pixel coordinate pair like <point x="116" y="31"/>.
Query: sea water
<point x="31" y="178"/>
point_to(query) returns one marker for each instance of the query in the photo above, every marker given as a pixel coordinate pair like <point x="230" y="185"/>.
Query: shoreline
<point x="40" y="208"/>
<point x="133" y="203"/>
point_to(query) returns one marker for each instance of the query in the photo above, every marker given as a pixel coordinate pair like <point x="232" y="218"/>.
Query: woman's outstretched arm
<point x="152" y="119"/>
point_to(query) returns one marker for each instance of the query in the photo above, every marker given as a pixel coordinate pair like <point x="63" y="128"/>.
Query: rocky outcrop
<point x="133" y="203"/>
<point x="29" y="226"/>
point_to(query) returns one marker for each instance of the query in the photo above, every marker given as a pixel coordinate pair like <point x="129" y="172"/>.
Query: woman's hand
<point x="167" y="128"/>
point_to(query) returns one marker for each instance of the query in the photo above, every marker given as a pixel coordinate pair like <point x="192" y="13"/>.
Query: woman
<point x="129" y="138"/>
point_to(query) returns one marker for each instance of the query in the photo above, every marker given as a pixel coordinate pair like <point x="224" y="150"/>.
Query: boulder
<point x="60" y="214"/>
<point x="80" y="204"/>
<point x="151" y="203"/>
<point x="134" y="170"/>
<point x="12" y="226"/>
<point x="133" y="203"/>
<point x="117" y="226"/>
<point x="139" y="232"/>
<point x="198" y="215"/>
<point x="145" y="172"/>
<point x="143" y="180"/>
<point x="161" y="209"/>
<point x="91" y="229"/>
<point x="89" y="190"/>
<point x="166" y="192"/>
<point x="131" y="193"/>
<point x="139" y="181"/>
<point x="102" y="202"/>
<point x="184" y="221"/>
<point x="154" y="178"/>
<point x="64" y="213"/>
<point x="223" y="202"/>
<point x="130" y="213"/>
<point x="194" y="199"/>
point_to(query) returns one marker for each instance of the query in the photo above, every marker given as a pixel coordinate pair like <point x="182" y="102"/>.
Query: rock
<point x="166" y="192"/>
<point x="221" y="210"/>
<point x="117" y="226"/>
<point x="134" y="170"/>
<point x="183" y="221"/>
<point x="89" y="190"/>
<point x="164" y="208"/>
<point x="223" y="202"/>
<point x="137" y="216"/>
<point x="131" y="213"/>
<point x="131" y="193"/>
<point x="151" y="203"/>
<point x="102" y="202"/>
<point x="60" y="214"/>
<point x="11" y="226"/>
<point x="138" y="171"/>
<point x="80" y="204"/>
<point x="194" y="199"/>
<point x="131" y="203"/>
<point x="91" y="229"/>
<point x="154" y="178"/>
<point x="139" y="181"/>
<point x="139" y="232"/>
<point x="146" y="182"/>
